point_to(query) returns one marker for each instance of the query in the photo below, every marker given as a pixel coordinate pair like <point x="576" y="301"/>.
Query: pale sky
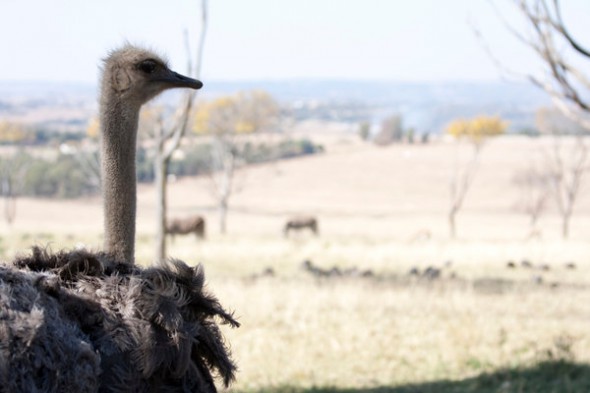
<point x="397" y="40"/>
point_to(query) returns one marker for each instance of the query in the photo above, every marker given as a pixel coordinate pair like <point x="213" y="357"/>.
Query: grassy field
<point x="479" y="327"/>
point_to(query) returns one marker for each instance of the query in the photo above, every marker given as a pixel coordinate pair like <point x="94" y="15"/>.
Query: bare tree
<point x="229" y="121"/>
<point x="13" y="170"/>
<point x="13" y="166"/>
<point x="224" y="157"/>
<point x="566" y="176"/>
<point x="88" y="155"/>
<point x="89" y="161"/>
<point x="535" y="184"/>
<point x="566" y="161"/>
<point x="461" y="180"/>
<point x="476" y="131"/>
<point x="168" y="134"/>
<point x="547" y="36"/>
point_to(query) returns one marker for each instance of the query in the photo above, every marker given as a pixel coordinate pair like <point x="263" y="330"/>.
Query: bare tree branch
<point x="562" y="29"/>
<point x="168" y="139"/>
<point x="562" y="80"/>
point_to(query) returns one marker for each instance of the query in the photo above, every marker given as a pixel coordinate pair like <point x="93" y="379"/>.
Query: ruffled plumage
<point x="78" y="321"/>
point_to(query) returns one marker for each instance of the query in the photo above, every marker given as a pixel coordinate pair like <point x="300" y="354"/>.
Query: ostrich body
<point x="79" y="321"/>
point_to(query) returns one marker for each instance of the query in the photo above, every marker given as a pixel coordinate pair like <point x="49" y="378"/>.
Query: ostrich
<point x="78" y="321"/>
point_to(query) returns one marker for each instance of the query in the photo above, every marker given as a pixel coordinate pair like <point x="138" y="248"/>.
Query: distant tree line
<point x="196" y="160"/>
<point x="391" y="130"/>
<point x="12" y="133"/>
<point x="59" y="177"/>
<point x="66" y="175"/>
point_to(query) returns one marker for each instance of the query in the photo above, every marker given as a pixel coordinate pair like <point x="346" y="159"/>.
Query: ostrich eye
<point x="148" y="66"/>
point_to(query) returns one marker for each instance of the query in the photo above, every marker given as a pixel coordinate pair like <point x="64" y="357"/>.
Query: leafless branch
<point x="562" y="80"/>
<point x="167" y="139"/>
<point x="562" y="29"/>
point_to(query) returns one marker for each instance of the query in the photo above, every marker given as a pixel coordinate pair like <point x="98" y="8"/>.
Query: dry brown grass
<point x="358" y="334"/>
<point x="371" y="202"/>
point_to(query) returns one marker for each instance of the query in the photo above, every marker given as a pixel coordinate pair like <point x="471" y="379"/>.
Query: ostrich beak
<point x="174" y="79"/>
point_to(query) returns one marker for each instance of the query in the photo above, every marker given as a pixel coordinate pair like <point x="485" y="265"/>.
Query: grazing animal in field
<point x="526" y="264"/>
<point x="80" y="321"/>
<point x="185" y="226"/>
<point x="299" y="223"/>
<point x="414" y="271"/>
<point x="334" y="271"/>
<point x="431" y="273"/>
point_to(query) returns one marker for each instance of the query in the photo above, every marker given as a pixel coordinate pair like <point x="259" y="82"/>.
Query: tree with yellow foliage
<point x="12" y="133"/>
<point x="476" y="132"/>
<point x="93" y="128"/>
<point x="12" y="167"/>
<point x="227" y="121"/>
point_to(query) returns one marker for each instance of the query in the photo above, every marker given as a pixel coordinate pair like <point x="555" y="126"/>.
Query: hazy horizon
<point x="418" y="41"/>
<point x="299" y="79"/>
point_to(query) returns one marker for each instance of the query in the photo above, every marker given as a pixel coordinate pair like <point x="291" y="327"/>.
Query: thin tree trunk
<point x="452" y="224"/>
<point x="565" y="225"/>
<point x="160" y="170"/>
<point x="533" y="222"/>
<point x="225" y="192"/>
<point x="460" y="184"/>
<point x="9" y="200"/>
<point x="227" y="187"/>
<point x="167" y="141"/>
<point x="223" y="216"/>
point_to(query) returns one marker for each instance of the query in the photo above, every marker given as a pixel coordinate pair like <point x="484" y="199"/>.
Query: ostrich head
<point x="137" y="75"/>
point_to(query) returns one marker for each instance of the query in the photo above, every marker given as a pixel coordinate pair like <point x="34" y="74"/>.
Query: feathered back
<point x="153" y="327"/>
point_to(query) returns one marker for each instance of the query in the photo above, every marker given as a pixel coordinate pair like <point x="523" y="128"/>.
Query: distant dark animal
<point x="300" y="223"/>
<point x="570" y="266"/>
<point x="334" y="271"/>
<point x="414" y="271"/>
<point x="526" y="264"/>
<point x="510" y="265"/>
<point x="266" y="272"/>
<point x="185" y="226"/>
<point x="317" y="271"/>
<point x="431" y="273"/>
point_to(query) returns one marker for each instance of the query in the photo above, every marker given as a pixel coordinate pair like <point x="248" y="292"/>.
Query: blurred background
<point x="392" y="196"/>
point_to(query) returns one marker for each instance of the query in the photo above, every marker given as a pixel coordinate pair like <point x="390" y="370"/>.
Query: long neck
<point x="119" y="134"/>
